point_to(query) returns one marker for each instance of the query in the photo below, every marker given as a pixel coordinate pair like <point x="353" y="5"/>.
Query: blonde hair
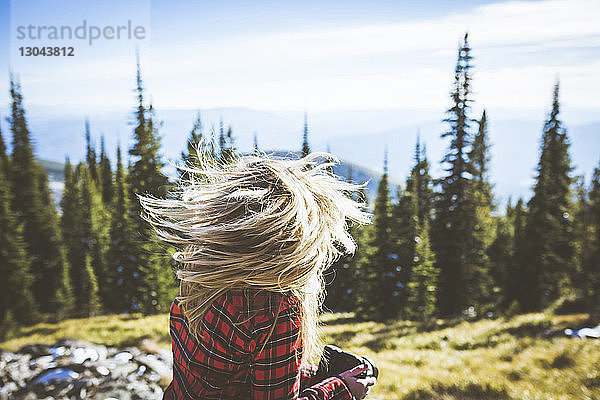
<point x="261" y="223"/>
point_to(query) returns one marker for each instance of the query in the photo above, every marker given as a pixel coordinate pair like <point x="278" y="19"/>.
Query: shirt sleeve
<point x="275" y="372"/>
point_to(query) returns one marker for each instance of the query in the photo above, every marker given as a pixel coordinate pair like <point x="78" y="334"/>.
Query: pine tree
<point x="153" y="279"/>
<point x="227" y="145"/>
<point x="305" y="146"/>
<point x="90" y="156"/>
<point x="90" y="304"/>
<point x="16" y="299"/>
<point x="501" y="255"/>
<point x="120" y="257"/>
<point x="4" y="160"/>
<point x="255" y="147"/>
<point x="377" y="298"/>
<point x="340" y="276"/>
<point x="549" y="223"/>
<point x="477" y="271"/>
<point x="71" y="228"/>
<point x="591" y="265"/>
<point x="520" y="274"/>
<point x="422" y="286"/>
<point x="190" y="157"/>
<point x="32" y="204"/>
<point x="106" y="176"/>
<point x="453" y="229"/>
<point x="423" y="181"/>
<point x="403" y="233"/>
<point x="411" y="218"/>
<point x="94" y="234"/>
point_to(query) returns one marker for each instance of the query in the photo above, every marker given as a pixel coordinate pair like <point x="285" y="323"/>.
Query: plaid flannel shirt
<point x="232" y="359"/>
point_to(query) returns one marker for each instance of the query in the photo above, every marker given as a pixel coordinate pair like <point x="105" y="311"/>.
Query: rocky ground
<point x="74" y="369"/>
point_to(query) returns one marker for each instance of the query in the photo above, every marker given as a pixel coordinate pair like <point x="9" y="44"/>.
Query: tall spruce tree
<point x="95" y="223"/>
<point x="411" y="218"/>
<point x="121" y="254"/>
<point x="452" y="233"/>
<point x="71" y="229"/>
<point x="106" y="175"/>
<point x="340" y="276"/>
<point x="378" y="291"/>
<point x="4" y="160"/>
<point x="255" y="146"/>
<point x="190" y="156"/>
<point x="501" y="256"/>
<point x="228" y="150"/>
<point x="16" y="299"/>
<point x="423" y="183"/>
<point x="33" y="206"/>
<point x="477" y="272"/>
<point x="305" y="146"/>
<point x="154" y="279"/>
<point x="90" y="304"/>
<point x="422" y="286"/>
<point x="520" y="274"/>
<point x="591" y="265"/>
<point x="549" y="223"/>
<point x="90" y="154"/>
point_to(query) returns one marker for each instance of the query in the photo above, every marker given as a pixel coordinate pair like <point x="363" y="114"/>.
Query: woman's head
<point x="257" y="222"/>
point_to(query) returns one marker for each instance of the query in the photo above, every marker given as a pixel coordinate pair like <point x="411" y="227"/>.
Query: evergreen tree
<point x="452" y="233"/>
<point x="228" y="147"/>
<point x="423" y="281"/>
<point x="591" y="265"/>
<point x="549" y="223"/>
<point x="71" y="228"/>
<point x="477" y="267"/>
<point x="94" y="235"/>
<point x="153" y="279"/>
<point x="255" y="148"/>
<point x="377" y="298"/>
<point x="411" y="218"/>
<point x="403" y="233"/>
<point x="120" y="257"/>
<point x="340" y="277"/>
<point x="33" y="206"/>
<point x="106" y="176"/>
<point x="90" y="156"/>
<point x="423" y="183"/>
<point x="305" y="146"/>
<point x="90" y="304"/>
<point x="190" y="157"/>
<point x="4" y="160"/>
<point x="501" y="255"/>
<point x="520" y="273"/>
<point x="16" y="299"/>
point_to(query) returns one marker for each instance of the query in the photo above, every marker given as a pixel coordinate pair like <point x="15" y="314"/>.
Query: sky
<point x="306" y="55"/>
<point x="379" y="68"/>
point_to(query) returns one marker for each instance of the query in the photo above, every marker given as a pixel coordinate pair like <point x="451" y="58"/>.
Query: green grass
<point x="444" y="359"/>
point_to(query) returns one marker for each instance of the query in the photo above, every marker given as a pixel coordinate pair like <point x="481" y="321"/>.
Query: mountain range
<point x="358" y="138"/>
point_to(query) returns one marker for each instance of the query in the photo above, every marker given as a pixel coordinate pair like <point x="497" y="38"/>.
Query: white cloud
<point x="519" y="49"/>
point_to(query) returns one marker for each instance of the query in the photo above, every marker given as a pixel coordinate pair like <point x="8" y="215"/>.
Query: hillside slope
<point x="445" y="359"/>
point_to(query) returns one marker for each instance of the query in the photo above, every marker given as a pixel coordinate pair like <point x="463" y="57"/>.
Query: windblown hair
<point x="261" y="223"/>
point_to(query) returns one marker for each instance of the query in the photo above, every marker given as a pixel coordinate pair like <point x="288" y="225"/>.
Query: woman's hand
<point x="359" y="387"/>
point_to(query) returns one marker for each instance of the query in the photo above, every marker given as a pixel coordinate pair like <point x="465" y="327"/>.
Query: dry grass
<point x="110" y="330"/>
<point x="488" y="359"/>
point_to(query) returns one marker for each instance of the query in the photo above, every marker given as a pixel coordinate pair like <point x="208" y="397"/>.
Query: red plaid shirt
<point x="227" y="359"/>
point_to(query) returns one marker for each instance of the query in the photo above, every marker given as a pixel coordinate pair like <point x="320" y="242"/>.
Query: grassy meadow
<point x="443" y="359"/>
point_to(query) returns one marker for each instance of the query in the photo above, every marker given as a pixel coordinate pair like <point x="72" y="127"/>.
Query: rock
<point x="73" y="369"/>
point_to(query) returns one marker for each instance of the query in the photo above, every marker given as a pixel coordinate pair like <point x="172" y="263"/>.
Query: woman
<point x="257" y="234"/>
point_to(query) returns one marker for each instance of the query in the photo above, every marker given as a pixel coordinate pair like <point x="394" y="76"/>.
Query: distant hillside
<point x="357" y="137"/>
<point x="55" y="172"/>
<point x="359" y="175"/>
